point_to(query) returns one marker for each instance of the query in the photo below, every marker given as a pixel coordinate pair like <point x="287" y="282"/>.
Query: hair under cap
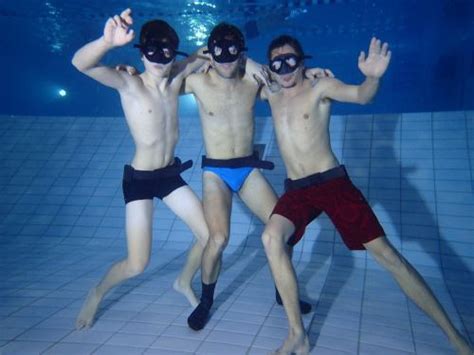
<point x="282" y="40"/>
<point x="226" y="31"/>
<point x="158" y="31"/>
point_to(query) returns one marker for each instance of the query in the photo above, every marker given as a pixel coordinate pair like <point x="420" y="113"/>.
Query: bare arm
<point x="87" y="59"/>
<point x="188" y="83"/>
<point x="359" y="94"/>
<point x="373" y="67"/>
<point x="191" y="64"/>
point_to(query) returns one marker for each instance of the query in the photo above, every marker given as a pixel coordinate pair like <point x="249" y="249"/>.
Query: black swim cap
<point x="159" y="32"/>
<point x="226" y="31"/>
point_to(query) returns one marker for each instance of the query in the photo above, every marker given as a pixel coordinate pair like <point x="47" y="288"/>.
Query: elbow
<point x="364" y="98"/>
<point x="365" y="101"/>
<point x="77" y="64"/>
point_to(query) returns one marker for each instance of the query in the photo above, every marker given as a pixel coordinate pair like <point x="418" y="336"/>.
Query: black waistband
<point x="174" y="169"/>
<point x="249" y="161"/>
<point x="316" y="179"/>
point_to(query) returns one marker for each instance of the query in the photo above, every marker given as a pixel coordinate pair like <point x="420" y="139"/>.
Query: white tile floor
<point x="61" y="226"/>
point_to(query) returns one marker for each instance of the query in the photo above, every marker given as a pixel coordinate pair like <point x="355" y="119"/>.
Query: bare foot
<point x="89" y="308"/>
<point x="187" y="291"/>
<point x="298" y="345"/>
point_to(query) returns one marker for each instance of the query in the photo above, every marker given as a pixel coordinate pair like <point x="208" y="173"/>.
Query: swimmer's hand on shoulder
<point x="117" y="31"/>
<point x="131" y="70"/>
<point x="264" y="77"/>
<point x="314" y="74"/>
<point x="204" y="69"/>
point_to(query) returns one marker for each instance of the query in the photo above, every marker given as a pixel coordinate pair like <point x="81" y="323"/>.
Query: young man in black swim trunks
<point x="150" y="104"/>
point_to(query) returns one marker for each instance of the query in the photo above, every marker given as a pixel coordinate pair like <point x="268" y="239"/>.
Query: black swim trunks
<point x="146" y="184"/>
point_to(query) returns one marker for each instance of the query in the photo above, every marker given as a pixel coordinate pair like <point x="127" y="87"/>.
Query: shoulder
<point x="328" y="82"/>
<point x="198" y="78"/>
<point x="320" y="86"/>
<point x="132" y="82"/>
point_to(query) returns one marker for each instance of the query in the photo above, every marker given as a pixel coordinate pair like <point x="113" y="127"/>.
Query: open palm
<point x="376" y="62"/>
<point x="117" y="30"/>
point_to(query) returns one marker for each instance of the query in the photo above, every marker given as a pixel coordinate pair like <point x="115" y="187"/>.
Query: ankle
<point x="207" y="296"/>
<point x="297" y="332"/>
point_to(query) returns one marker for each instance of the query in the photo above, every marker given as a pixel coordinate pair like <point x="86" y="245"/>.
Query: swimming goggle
<point x="286" y="63"/>
<point x="159" y="53"/>
<point x="225" y="51"/>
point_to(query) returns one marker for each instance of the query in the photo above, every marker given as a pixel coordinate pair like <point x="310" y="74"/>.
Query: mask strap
<point x="182" y="53"/>
<point x="140" y="46"/>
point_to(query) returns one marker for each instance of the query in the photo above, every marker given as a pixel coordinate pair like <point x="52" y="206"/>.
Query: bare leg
<point x="415" y="287"/>
<point x="138" y="221"/>
<point x="187" y="206"/>
<point x="217" y="201"/>
<point x="260" y="198"/>
<point x="275" y="236"/>
<point x="258" y="195"/>
<point x="183" y="283"/>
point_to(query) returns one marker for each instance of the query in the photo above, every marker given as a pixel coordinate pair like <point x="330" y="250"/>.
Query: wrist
<point x="372" y="79"/>
<point x="106" y="44"/>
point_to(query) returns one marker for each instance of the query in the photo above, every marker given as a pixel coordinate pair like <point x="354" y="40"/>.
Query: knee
<point x="135" y="267"/>
<point x="202" y="239"/>
<point x="273" y="242"/>
<point x="219" y="241"/>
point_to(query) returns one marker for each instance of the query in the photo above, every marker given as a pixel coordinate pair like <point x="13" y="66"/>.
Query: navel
<point x="306" y="116"/>
<point x="150" y="110"/>
<point x="211" y="113"/>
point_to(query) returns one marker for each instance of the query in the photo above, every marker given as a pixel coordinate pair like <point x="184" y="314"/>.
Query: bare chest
<point x="226" y="102"/>
<point x="150" y="111"/>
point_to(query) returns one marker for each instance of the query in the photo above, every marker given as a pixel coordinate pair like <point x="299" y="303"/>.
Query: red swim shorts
<point x="331" y="192"/>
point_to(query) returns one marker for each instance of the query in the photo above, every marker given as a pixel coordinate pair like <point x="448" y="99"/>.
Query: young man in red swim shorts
<point x="318" y="183"/>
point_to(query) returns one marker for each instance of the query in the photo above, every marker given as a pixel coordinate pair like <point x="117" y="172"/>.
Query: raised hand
<point x="117" y="31"/>
<point x="376" y="63"/>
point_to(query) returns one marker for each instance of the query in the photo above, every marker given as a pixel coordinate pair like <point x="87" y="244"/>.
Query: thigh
<point x="386" y="255"/>
<point x="217" y="202"/>
<point x="258" y="195"/>
<point x="187" y="206"/>
<point x="138" y="225"/>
